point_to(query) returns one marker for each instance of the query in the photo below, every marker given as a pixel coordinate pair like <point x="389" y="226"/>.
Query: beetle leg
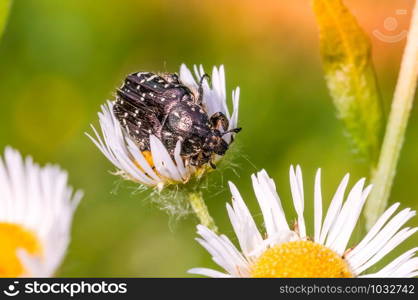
<point x="200" y="90"/>
<point x="194" y="160"/>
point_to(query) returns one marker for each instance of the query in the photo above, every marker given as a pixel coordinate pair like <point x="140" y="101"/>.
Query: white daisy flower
<point x="157" y="168"/>
<point x="36" y="211"/>
<point x="289" y="252"/>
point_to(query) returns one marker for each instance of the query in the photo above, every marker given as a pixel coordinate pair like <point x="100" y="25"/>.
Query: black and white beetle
<point x="161" y="105"/>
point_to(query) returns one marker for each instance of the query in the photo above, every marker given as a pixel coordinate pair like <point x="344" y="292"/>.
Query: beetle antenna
<point x="235" y="130"/>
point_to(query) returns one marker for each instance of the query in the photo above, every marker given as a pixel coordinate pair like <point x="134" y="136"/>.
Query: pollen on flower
<point x="300" y="259"/>
<point x="14" y="237"/>
<point x="148" y="157"/>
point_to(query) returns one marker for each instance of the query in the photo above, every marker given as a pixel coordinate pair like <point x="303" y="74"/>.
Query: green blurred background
<point x="59" y="60"/>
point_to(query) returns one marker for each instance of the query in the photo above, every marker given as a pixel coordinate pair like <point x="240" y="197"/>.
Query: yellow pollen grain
<point x="12" y="238"/>
<point x="300" y="259"/>
<point x="148" y="157"/>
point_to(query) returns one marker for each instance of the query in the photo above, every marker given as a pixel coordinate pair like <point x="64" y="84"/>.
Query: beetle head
<point x="214" y="143"/>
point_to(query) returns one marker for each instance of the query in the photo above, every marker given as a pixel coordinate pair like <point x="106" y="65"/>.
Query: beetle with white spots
<point x="165" y="107"/>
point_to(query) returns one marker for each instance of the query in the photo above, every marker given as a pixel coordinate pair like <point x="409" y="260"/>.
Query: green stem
<point x="200" y="209"/>
<point x="396" y="126"/>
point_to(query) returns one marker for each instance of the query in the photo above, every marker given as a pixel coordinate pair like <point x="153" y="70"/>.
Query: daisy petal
<point x="317" y="206"/>
<point x="244" y="226"/>
<point x="334" y="208"/>
<point x="296" y="185"/>
<point x="162" y="159"/>
<point x="223" y="252"/>
<point x="274" y="218"/>
<point x="396" y="264"/>
<point x="208" y="273"/>
<point x="374" y="230"/>
<point x="381" y="239"/>
<point x="390" y="245"/>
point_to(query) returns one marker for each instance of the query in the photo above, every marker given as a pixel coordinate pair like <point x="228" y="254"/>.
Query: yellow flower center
<point x="300" y="259"/>
<point x="12" y="238"/>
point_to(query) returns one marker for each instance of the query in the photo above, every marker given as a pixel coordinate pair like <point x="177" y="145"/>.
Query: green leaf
<point x="350" y="76"/>
<point x="4" y="13"/>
